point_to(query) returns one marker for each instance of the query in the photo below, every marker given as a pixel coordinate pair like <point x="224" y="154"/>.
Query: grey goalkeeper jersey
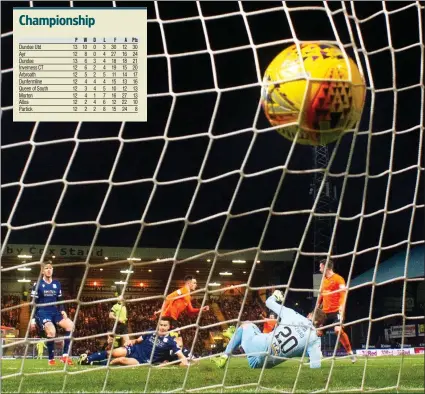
<point x="293" y="334"/>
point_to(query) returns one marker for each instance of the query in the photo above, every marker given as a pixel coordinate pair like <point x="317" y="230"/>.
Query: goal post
<point x="209" y="175"/>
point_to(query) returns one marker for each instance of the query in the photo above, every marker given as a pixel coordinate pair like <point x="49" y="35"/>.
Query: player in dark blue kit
<point x="47" y="317"/>
<point x="139" y="351"/>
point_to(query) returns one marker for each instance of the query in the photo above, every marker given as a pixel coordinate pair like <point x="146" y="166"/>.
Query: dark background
<point x="389" y="141"/>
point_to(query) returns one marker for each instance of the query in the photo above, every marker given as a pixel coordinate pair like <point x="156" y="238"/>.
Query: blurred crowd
<point x="10" y="318"/>
<point x="252" y="310"/>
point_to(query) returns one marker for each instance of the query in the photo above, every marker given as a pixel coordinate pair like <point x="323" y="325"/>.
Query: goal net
<point x="207" y="187"/>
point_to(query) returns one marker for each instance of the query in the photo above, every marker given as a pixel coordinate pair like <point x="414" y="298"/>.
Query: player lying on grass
<point x="292" y="334"/>
<point x="139" y="351"/>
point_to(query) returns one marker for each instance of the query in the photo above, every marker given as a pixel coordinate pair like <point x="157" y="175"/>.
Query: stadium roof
<point x="394" y="267"/>
<point x="145" y="254"/>
<point x="150" y="265"/>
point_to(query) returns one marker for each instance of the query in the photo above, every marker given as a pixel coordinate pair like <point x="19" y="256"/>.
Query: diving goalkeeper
<point x="289" y="339"/>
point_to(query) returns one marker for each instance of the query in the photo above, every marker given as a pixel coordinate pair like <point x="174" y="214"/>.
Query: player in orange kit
<point x="178" y="301"/>
<point x="270" y="323"/>
<point x="333" y="294"/>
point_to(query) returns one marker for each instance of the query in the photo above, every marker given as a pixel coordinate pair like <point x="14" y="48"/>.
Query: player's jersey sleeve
<point x="172" y="297"/>
<point x="341" y="285"/>
<point x="283" y="312"/>
<point x="60" y="296"/>
<point x="173" y="345"/>
<point x="175" y="294"/>
<point x="340" y="281"/>
<point x="315" y="353"/>
<point x="177" y="303"/>
<point x="34" y="293"/>
<point x="190" y="307"/>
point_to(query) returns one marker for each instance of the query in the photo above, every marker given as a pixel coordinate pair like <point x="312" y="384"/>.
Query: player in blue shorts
<point x="48" y="317"/>
<point x="139" y="351"/>
<point x="290" y="337"/>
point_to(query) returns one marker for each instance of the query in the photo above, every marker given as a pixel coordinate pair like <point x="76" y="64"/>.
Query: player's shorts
<point x="331" y="318"/>
<point x="41" y="318"/>
<point x="135" y="352"/>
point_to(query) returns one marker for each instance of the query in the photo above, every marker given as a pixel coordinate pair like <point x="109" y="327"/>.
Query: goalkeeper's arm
<point x="281" y="311"/>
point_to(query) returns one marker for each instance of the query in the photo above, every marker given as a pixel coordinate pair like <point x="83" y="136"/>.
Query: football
<point x="314" y="94"/>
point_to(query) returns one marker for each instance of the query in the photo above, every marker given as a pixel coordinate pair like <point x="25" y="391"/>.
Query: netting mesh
<point x="208" y="163"/>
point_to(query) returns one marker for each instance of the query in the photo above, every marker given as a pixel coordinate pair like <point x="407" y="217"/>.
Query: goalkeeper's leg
<point x="244" y="336"/>
<point x="254" y="342"/>
<point x="235" y="337"/>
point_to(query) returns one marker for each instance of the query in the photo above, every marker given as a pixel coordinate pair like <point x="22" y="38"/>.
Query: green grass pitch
<point x="381" y="372"/>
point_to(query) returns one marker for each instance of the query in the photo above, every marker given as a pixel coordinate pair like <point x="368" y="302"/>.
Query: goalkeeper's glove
<point x="278" y="296"/>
